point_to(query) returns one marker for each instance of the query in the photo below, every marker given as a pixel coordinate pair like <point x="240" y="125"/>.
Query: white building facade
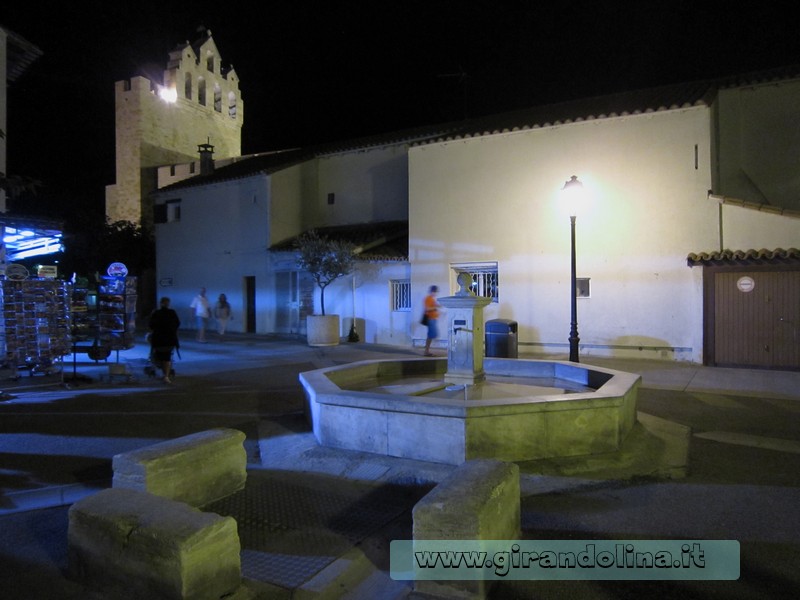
<point x="662" y="244"/>
<point x="224" y="232"/>
<point x="489" y="202"/>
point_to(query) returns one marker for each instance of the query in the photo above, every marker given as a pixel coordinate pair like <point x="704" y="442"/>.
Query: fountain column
<point x="464" y="321"/>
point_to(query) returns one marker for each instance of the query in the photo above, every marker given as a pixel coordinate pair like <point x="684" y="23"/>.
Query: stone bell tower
<point x="161" y="123"/>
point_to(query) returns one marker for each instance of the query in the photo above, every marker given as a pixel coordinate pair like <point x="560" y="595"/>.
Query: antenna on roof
<point x="463" y="78"/>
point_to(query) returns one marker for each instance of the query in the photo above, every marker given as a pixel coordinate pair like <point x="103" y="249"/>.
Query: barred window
<point x="400" y="294"/>
<point x="485" y="279"/>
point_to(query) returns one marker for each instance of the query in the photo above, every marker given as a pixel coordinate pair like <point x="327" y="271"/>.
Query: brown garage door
<point x="756" y="319"/>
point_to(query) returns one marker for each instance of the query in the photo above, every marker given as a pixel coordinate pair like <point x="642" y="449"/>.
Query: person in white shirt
<point x="201" y="312"/>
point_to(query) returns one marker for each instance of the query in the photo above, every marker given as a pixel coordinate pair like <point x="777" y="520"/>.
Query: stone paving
<point x="314" y="520"/>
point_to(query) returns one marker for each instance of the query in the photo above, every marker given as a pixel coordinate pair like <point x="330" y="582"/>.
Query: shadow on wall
<point x="360" y="329"/>
<point x="642" y="346"/>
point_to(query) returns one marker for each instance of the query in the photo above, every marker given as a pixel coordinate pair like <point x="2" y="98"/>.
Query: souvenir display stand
<point x="104" y="321"/>
<point x="116" y="313"/>
<point x="35" y="329"/>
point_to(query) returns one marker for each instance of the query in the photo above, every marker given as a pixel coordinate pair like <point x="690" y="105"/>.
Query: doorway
<point x="294" y="301"/>
<point x="250" y="304"/>
<point x="755" y="316"/>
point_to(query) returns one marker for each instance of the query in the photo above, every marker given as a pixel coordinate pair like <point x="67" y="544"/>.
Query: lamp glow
<point x="574" y="196"/>
<point x="168" y="94"/>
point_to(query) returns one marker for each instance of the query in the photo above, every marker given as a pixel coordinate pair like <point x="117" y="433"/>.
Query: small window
<point x="192" y="167"/>
<point x="172" y="170"/>
<point x="400" y="291"/>
<point x="187" y="86"/>
<point x="173" y="211"/>
<point x="485" y="279"/>
<point x="210" y="63"/>
<point x="582" y="288"/>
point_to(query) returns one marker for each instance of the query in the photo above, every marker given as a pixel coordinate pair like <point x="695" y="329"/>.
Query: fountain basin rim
<point x="609" y="393"/>
<point x="461" y="408"/>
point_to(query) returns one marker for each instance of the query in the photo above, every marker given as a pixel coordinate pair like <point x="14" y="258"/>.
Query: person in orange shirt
<point x="431" y="316"/>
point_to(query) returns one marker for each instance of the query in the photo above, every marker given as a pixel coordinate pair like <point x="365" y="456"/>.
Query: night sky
<point x="315" y="71"/>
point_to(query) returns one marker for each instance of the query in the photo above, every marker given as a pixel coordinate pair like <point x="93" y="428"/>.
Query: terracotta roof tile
<point x="778" y="255"/>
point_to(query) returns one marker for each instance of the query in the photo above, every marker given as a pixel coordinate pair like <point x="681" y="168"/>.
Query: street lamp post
<point x="572" y="191"/>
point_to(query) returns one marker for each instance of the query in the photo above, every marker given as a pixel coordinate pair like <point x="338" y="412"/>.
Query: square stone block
<point x="478" y="501"/>
<point x="197" y="469"/>
<point x="147" y="546"/>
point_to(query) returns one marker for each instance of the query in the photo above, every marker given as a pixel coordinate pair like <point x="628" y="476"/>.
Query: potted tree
<point x="326" y="260"/>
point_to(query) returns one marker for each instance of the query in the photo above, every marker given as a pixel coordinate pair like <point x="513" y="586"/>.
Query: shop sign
<point x="47" y="271"/>
<point x="746" y="284"/>
<point x="117" y="269"/>
<point x="16" y="272"/>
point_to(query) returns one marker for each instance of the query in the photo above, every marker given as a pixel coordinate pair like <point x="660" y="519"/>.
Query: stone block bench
<point x="480" y="500"/>
<point x="197" y="469"/>
<point x="138" y="545"/>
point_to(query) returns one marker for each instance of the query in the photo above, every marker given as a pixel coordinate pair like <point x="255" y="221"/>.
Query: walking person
<point x="164" y="324"/>
<point x="202" y="312"/>
<point x="222" y="313"/>
<point x="430" y="318"/>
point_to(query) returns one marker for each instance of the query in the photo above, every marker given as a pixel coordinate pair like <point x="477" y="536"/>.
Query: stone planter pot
<point x="322" y="330"/>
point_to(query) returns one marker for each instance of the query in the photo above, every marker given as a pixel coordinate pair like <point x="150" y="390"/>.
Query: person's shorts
<point x="162" y="353"/>
<point x="433" y="330"/>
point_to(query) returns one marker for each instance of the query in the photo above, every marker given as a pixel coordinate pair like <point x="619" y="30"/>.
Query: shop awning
<point x="25" y="238"/>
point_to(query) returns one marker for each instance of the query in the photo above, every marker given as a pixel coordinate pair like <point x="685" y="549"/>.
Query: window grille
<point x="401" y="295"/>
<point x="485" y="278"/>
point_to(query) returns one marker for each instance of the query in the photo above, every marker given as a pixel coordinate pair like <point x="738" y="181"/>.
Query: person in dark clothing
<point x="164" y="324"/>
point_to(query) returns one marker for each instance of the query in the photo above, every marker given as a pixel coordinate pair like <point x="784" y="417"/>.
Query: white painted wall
<point x="369" y="302"/>
<point x="368" y="185"/>
<point x="221" y="237"/>
<point x="496" y="198"/>
<point x="225" y="229"/>
<point x="286" y="201"/>
<point x="748" y="229"/>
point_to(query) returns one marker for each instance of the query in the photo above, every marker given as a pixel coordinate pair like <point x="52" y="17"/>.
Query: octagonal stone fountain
<point x="467" y="406"/>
